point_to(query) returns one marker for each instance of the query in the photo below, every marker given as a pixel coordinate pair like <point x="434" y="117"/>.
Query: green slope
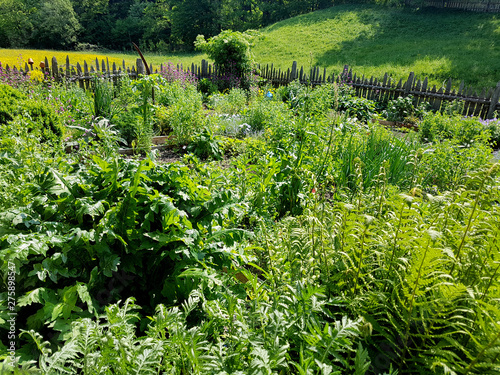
<point x="373" y="40"/>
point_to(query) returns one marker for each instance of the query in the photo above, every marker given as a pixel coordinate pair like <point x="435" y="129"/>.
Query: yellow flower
<point x="36" y="75"/>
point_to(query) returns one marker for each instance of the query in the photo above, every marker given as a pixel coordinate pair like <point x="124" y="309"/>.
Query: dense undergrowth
<point x="296" y="236"/>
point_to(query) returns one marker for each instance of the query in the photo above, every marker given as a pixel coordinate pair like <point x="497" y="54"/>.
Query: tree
<point x="157" y="22"/>
<point x="56" y="25"/>
<point x="240" y="15"/>
<point x="94" y="18"/>
<point x="131" y="28"/>
<point x="193" y="17"/>
<point x="15" y="24"/>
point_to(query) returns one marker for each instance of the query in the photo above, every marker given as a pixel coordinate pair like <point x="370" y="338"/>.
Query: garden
<point x="278" y="230"/>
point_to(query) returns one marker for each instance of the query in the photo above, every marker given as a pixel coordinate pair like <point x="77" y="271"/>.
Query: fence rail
<point x="483" y="105"/>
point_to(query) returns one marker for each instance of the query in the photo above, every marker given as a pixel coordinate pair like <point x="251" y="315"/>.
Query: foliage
<point x="103" y="94"/>
<point x="493" y="127"/>
<point x="436" y="127"/>
<point x="320" y="244"/>
<point x="231" y="103"/>
<point x="42" y="120"/>
<point x="205" y="145"/>
<point x="446" y="164"/>
<point x="101" y="202"/>
<point x="9" y="98"/>
<point x="174" y="74"/>
<point x="230" y="51"/>
<point x="12" y="78"/>
<point x="262" y="113"/>
<point x="402" y="107"/>
<point x="181" y="113"/>
<point x="55" y="25"/>
<point x="207" y="87"/>
<point x="361" y="108"/>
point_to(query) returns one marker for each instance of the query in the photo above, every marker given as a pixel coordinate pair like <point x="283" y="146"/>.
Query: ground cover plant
<point x="289" y="235"/>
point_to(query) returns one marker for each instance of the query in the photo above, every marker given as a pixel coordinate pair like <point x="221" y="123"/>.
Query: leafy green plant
<point x="103" y="95"/>
<point x="402" y="107"/>
<point x="435" y="127"/>
<point x="361" y="108"/>
<point x="43" y="120"/>
<point x="182" y="111"/>
<point x="446" y="164"/>
<point x="206" y="145"/>
<point x="262" y="114"/>
<point x="230" y="104"/>
<point x="207" y="88"/>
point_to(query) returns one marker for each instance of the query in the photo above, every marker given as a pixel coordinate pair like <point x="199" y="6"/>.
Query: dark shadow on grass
<point x="468" y="42"/>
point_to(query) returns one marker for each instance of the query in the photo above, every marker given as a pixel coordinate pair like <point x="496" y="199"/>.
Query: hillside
<point x="374" y="40"/>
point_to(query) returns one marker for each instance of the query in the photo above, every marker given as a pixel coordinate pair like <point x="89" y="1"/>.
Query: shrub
<point x="180" y="111"/>
<point x="493" y="127"/>
<point x="127" y="122"/>
<point x="446" y="164"/>
<point x="293" y="94"/>
<point x="436" y="127"/>
<point x="207" y="87"/>
<point x="402" y="107"/>
<point x="263" y="113"/>
<point x="347" y="102"/>
<point x="42" y="119"/>
<point x="230" y="103"/>
<point x="8" y="102"/>
<point x="230" y="51"/>
<point x="206" y="145"/>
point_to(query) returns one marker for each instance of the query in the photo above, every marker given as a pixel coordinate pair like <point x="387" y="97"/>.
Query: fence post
<point x="140" y="67"/>
<point x="409" y="84"/>
<point x="55" y="69"/>
<point x="293" y="75"/>
<point x="493" y="101"/>
<point x="204" y="69"/>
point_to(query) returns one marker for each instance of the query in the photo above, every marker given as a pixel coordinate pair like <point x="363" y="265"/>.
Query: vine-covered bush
<point x="231" y="53"/>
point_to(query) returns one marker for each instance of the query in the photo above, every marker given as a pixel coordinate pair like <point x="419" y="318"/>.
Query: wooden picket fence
<point x="488" y="6"/>
<point x="484" y="105"/>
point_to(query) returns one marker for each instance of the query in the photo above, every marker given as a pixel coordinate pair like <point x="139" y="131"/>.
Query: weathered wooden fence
<point x="484" y="104"/>
<point x="489" y="6"/>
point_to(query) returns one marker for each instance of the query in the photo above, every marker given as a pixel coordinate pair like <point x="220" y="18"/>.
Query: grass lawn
<point x="374" y="40"/>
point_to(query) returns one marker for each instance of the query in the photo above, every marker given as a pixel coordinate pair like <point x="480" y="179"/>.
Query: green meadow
<point x="373" y="40"/>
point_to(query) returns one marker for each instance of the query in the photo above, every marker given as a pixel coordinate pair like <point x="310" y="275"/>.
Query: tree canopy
<point x="156" y="25"/>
